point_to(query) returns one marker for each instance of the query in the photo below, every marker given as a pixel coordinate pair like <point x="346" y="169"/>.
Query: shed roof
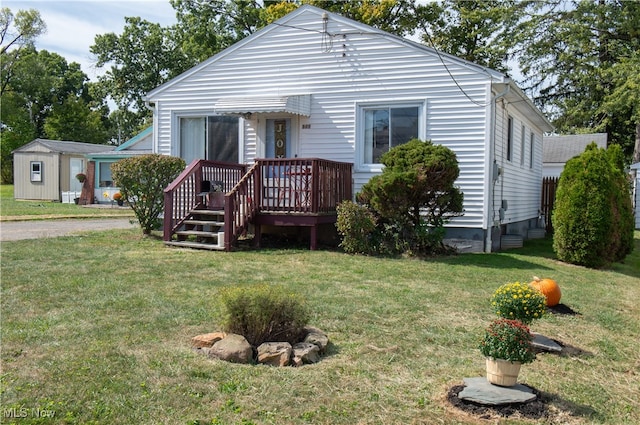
<point x="64" y="147"/>
<point x="560" y="149"/>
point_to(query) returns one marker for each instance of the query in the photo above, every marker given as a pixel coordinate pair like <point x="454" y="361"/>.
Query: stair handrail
<point x="187" y="185"/>
<point x="241" y="206"/>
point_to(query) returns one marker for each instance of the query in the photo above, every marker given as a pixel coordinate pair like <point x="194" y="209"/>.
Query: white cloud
<point x="73" y="24"/>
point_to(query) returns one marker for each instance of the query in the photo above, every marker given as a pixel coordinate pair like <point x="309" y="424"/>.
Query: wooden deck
<point x="301" y="192"/>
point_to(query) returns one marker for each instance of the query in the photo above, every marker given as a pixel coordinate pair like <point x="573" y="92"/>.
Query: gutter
<point x="492" y="170"/>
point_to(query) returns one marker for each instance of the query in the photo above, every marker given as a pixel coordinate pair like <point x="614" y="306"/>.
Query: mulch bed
<point x="536" y="409"/>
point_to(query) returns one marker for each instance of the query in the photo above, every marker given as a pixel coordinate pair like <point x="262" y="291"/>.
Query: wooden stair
<point x="202" y="229"/>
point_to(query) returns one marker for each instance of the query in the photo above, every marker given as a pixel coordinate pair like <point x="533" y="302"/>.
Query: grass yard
<point x="97" y="328"/>
<point x="38" y="210"/>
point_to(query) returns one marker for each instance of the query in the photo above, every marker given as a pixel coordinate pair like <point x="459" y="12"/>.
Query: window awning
<point x="295" y="104"/>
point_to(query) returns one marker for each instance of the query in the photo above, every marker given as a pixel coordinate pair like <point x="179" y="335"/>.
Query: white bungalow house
<point x="317" y="86"/>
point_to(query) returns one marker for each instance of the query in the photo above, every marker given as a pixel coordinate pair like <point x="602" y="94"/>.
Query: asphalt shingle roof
<point x="560" y="149"/>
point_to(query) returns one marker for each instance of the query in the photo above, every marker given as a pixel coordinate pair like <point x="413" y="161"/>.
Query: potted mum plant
<point x="519" y="301"/>
<point x="118" y="198"/>
<point x="506" y="345"/>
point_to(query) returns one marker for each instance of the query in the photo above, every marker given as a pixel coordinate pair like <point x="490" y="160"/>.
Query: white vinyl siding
<point x="519" y="186"/>
<point x="361" y="68"/>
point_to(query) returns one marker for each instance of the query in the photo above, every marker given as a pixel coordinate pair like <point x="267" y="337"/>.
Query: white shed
<point x="318" y="85"/>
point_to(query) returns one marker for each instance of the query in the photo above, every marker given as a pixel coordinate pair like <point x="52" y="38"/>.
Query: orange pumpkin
<point x="549" y="288"/>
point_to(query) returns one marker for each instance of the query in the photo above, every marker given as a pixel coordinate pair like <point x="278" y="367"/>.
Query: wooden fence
<point x="549" y="186"/>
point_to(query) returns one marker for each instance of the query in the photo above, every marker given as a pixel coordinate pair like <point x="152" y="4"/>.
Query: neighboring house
<point x="317" y="85"/>
<point x="557" y="150"/>
<point x="46" y="169"/>
<point x="103" y="187"/>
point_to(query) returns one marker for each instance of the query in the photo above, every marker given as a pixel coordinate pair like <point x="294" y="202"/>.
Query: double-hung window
<point x="385" y="127"/>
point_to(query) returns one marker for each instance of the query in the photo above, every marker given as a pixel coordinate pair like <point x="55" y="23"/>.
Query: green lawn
<point x="10" y="209"/>
<point x="97" y="329"/>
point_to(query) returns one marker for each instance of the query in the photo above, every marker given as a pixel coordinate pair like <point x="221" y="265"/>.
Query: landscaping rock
<point x="479" y="390"/>
<point x="207" y="340"/>
<point x="305" y="353"/>
<point x="275" y="353"/>
<point x="317" y="337"/>
<point x="233" y="348"/>
<point x="542" y="343"/>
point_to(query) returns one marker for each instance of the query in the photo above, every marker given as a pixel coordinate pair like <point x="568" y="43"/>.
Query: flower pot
<point x="502" y="372"/>
<point x="120" y="202"/>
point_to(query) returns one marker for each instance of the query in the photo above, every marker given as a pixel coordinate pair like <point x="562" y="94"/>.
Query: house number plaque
<point x="280" y="136"/>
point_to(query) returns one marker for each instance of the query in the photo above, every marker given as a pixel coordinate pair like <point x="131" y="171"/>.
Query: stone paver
<point x="479" y="390"/>
<point x="543" y="343"/>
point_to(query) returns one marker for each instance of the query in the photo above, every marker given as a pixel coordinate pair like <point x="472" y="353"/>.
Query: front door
<point x="278" y="140"/>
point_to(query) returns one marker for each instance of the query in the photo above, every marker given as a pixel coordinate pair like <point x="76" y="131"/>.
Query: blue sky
<point x="73" y="24"/>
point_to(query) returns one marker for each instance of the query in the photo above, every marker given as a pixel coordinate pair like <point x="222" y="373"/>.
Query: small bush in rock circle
<point x="264" y="313"/>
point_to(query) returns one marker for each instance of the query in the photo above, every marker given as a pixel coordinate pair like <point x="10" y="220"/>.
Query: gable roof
<point x="132" y="147"/>
<point x="64" y="147"/>
<point x="310" y="18"/>
<point x="320" y="13"/>
<point x="560" y="149"/>
<point x="136" y="139"/>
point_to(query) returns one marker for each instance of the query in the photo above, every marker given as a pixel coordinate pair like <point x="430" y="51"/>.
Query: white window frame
<point x="175" y="130"/>
<point x="361" y="107"/>
<point x="36" y="176"/>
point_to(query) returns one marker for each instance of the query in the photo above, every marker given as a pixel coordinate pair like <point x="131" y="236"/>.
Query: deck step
<point x="198" y="233"/>
<point x="207" y="212"/>
<point x="195" y="245"/>
<point x="203" y="222"/>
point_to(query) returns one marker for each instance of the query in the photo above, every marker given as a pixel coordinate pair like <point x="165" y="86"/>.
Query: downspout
<point x="492" y="169"/>
<point x="154" y="140"/>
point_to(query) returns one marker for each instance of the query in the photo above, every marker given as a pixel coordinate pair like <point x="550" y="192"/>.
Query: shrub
<point x="414" y="197"/>
<point x="264" y="313"/>
<point x="592" y="217"/>
<point x="508" y="340"/>
<point x="142" y="180"/>
<point x="357" y="225"/>
<point x="519" y="301"/>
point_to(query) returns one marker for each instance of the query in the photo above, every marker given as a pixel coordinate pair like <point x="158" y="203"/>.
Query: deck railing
<point x="304" y="185"/>
<point x="309" y="186"/>
<point x="180" y="197"/>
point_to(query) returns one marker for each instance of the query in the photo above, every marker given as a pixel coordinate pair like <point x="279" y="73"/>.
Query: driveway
<point x="36" y="229"/>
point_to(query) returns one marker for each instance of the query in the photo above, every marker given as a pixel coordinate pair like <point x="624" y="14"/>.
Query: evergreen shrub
<point x="592" y="216"/>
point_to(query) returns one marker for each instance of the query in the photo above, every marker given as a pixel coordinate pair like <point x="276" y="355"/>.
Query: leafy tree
<point x="592" y="217"/>
<point x="16" y="32"/>
<point x="415" y="195"/>
<point x="479" y="31"/>
<point x="142" y="180"/>
<point x="74" y="120"/>
<point x="570" y="54"/>
<point x="143" y="57"/>
<point x="41" y="82"/>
